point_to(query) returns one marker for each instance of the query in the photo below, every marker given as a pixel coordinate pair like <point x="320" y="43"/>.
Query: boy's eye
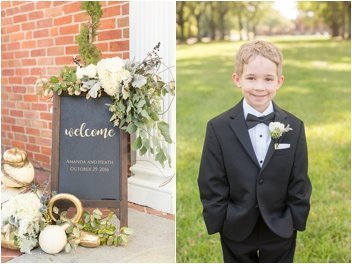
<point x="250" y="78"/>
<point x="268" y="79"/>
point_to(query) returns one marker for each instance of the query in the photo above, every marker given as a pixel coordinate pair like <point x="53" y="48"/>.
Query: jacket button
<point x="256" y="206"/>
<point x="261" y="181"/>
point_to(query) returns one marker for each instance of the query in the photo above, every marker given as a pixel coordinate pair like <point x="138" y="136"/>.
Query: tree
<point x="197" y="10"/>
<point x="181" y="19"/>
<point x="88" y="52"/>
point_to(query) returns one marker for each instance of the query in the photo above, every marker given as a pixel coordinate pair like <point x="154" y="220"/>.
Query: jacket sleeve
<point x="213" y="183"/>
<point x="300" y="188"/>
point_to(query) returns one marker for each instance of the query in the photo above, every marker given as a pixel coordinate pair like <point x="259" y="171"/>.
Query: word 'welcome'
<point x="86" y="132"/>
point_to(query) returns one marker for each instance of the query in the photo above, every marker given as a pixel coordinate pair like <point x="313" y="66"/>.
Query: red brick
<point x="20" y="18"/>
<point x="32" y="131"/>
<point x="29" y="80"/>
<point x="17" y="80"/>
<point x="111" y="11"/>
<point x="12" y="28"/>
<point x="22" y="54"/>
<point x="33" y="148"/>
<point x="53" y="12"/>
<point x="29" y="44"/>
<point x="19" y="89"/>
<point x="32" y="140"/>
<point x="63" y="20"/>
<point x="28" y="26"/>
<point x="35" y="15"/>
<point x="18" y="144"/>
<point x="14" y="63"/>
<point x="42" y="33"/>
<point x="22" y="71"/>
<point x="81" y="17"/>
<point x="57" y="3"/>
<point x="28" y="62"/>
<point x="16" y="36"/>
<point x="21" y="137"/>
<point x="38" y="124"/>
<point x="64" y="40"/>
<point x="107" y="24"/>
<point x="119" y="45"/>
<point x="31" y="98"/>
<point x="72" y="50"/>
<point x="17" y="113"/>
<point x="103" y="46"/>
<point x="40" y="106"/>
<point x="7" y="119"/>
<point x="5" y="4"/>
<point x="43" y="4"/>
<point x="23" y="105"/>
<point x="45" y="23"/>
<point x="29" y="34"/>
<point x="72" y="7"/>
<point x="37" y="71"/>
<point x="53" y="70"/>
<point x="56" y="51"/>
<point x="54" y="32"/>
<point x="31" y="115"/>
<point x="46" y="133"/>
<point x="125" y="9"/>
<point x="38" y="53"/>
<point x="46" y="116"/>
<point x="69" y="30"/>
<point x="6" y="20"/>
<point x="45" y="42"/>
<point x="46" y="61"/>
<point x="109" y="35"/>
<point x="12" y="11"/>
<point x="7" y="55"/>
<point x="126" y="33"/>
<point x="7" y="71"/>
<point x="27" y="7"/>
<point x="63" y="60"/>
<point x="17" y="129"/>
<point x="123" y="22"/>
<point x="43" y="158"/>
<point x="43" y="141"/>
<point x="16" y="3"/>
<point x="46" y="151"/>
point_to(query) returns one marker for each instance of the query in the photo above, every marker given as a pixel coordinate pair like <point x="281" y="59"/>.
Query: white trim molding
<point x="152" y="22"/>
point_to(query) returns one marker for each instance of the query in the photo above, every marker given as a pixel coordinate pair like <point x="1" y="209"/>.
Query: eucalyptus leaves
<point x="136" y="90"/>
<point x="93" y="222"/>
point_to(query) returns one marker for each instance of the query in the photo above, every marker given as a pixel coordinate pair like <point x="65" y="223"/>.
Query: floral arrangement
<point x="276" y="130"/>
<point x="23" y="217"/>
<point x="136" y="90"/>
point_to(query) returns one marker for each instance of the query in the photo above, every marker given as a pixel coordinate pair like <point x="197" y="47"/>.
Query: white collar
<point x="247" y="109"/>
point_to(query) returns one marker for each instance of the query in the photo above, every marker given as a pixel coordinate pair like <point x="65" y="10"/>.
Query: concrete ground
<point x="153" y="241"/>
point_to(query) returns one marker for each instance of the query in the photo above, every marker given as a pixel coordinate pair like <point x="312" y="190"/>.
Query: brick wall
<point x="38" y="39"/>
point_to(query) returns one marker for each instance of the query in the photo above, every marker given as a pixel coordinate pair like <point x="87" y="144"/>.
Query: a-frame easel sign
<point x="89" y="155"/>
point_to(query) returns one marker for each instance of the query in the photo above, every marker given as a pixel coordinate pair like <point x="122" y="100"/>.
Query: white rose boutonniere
<point x="276" y="131"/>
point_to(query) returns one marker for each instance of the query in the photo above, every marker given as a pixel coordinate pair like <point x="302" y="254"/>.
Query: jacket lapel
<point x="239" y="126"/>
<point x="280" y="116"/>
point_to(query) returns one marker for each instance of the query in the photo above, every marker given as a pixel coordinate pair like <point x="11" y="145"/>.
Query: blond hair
<point x="252" y="49"/>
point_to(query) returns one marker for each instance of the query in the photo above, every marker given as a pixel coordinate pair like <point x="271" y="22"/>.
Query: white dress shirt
<point x="260" y="134"/>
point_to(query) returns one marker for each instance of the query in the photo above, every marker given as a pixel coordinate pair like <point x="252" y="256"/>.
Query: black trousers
<point x="262" y="245"/>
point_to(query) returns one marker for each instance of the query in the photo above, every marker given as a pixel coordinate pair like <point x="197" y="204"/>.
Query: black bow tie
<point x="253" y="120"/>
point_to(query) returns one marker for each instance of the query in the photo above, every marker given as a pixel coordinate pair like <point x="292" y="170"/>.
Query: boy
<point x="253" y="178"/>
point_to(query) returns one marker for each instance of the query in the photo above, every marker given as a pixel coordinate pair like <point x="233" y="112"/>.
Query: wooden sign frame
<point x="119" y="206"/>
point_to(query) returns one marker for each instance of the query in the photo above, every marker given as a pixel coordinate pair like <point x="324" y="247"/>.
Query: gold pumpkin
<point x="16" y="170"/>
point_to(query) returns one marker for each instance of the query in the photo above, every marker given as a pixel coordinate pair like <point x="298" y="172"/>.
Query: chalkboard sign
<point x="89" y="155"/>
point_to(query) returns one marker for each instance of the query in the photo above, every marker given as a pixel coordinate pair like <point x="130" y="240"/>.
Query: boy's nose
<point x="259" y="86"/>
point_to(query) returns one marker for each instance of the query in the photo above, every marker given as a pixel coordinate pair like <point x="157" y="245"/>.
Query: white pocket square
<point x="283" y="146"/>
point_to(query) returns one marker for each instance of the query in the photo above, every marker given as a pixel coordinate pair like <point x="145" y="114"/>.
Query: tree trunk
<point x="240" y="24"/>
<point x="199" y="36"/>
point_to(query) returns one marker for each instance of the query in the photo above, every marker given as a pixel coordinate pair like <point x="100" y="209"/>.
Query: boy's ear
<point x="280" y="81"/>
<point x="236" y="79"/>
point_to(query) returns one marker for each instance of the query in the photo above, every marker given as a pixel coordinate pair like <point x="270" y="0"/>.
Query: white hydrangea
<point x="109" y="78"/>
<point x="90" y="71"/>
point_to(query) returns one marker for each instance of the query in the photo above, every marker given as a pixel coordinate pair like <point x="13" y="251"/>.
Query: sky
<point x="287" y="8"/>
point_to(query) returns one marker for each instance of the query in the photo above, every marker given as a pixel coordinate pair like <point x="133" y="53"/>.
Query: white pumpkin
<point x="52" y="239"/>
<point x="23" y="174"/>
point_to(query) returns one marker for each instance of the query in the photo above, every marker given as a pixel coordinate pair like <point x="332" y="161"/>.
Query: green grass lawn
<point x="317" y="90"/>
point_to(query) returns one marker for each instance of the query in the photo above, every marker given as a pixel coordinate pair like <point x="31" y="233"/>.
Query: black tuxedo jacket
<point x="234" y="189"/>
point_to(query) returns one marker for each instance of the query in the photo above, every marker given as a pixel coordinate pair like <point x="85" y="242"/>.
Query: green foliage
<point x="93" y="223"/>
<point x="88" y="52"/>
<point x="317" y="90"/>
